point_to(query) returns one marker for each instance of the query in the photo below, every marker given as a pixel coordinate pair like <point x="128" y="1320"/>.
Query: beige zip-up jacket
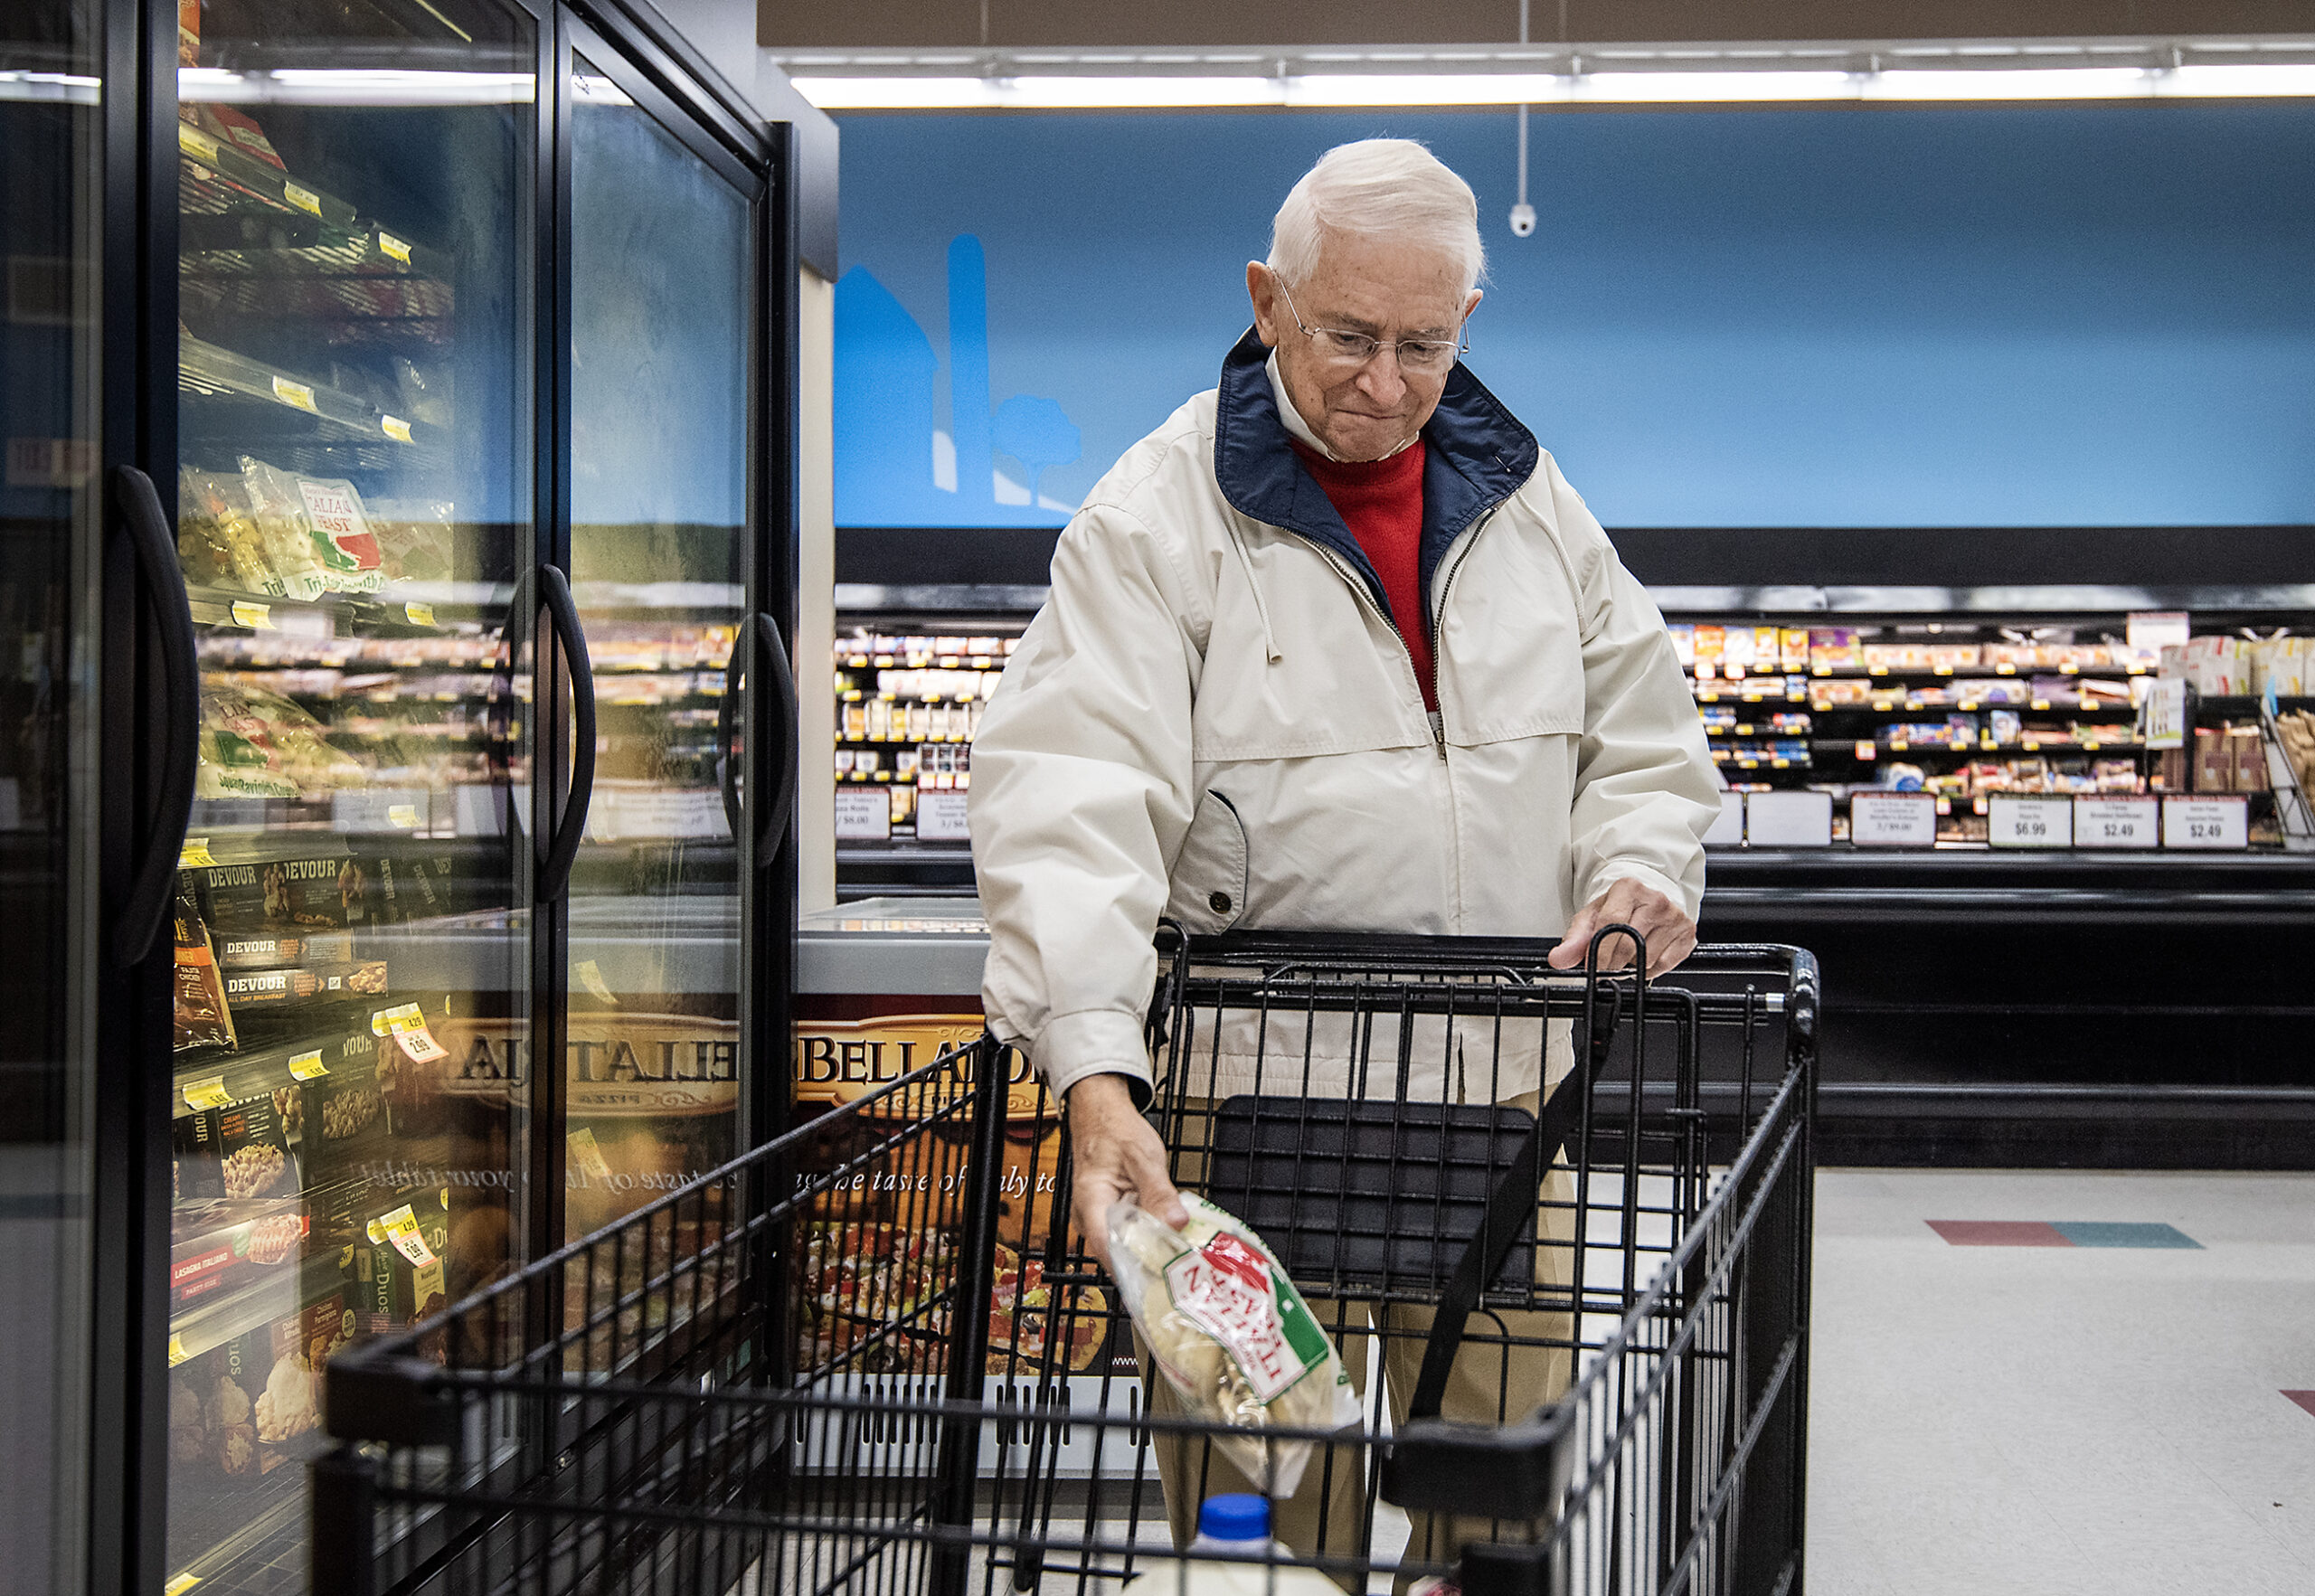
<point x="1214" y="719"/>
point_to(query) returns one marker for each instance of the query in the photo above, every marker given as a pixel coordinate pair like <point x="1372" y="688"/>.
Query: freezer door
<point x="663" y="300"/>
<point x="51" y="530"/>
<point x="354" y="498"/>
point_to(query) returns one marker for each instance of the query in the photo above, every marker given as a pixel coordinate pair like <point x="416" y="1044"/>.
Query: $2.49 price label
<point x="2205" y="823"/>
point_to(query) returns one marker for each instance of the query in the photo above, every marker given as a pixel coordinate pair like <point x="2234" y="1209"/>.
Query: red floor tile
<point x="1999" y="1233"/>
<point x="2305" y="1399"/>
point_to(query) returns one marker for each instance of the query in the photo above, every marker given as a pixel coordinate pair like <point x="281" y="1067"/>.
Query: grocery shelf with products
<point x="908" y="705"/>
<point x="1965" y="709"/>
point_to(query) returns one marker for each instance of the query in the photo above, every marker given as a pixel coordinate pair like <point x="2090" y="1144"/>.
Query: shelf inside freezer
<point x="203" y="1081"/>
<point x="255" y="1546"/>
<point x="218" y="179"/>
<point x="321" y="628"/>
<point x="211" y="1322"/>
<point x="333" y="415"/>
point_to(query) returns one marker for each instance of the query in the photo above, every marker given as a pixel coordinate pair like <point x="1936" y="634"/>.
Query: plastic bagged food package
<point x="339" y="525"/>
<point x="219" y="539"/>
<point x="1231" y="1334"/>
<point x="202" y="1018"/>
<point x="259" y="744"/>
<point x="280" y="516"/>
<point x="413" y="538"/>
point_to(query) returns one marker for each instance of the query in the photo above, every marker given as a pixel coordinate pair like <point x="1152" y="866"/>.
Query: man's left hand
<point x="1671" y="935"/>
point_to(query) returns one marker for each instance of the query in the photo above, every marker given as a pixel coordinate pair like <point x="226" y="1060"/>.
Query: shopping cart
<point x="1558" y="1223"/>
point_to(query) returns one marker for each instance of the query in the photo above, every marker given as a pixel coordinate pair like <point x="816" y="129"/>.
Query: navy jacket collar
<point x="1478" y="455"/>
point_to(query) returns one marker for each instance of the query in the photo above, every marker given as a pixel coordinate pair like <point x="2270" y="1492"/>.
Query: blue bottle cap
<point x="1234" y="1517"/>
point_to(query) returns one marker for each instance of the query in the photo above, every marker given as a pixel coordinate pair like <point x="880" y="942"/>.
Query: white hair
<point x="1378" y="188"/>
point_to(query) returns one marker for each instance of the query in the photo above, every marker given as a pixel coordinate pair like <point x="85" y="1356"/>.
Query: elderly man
<point x="1336" y="646"/>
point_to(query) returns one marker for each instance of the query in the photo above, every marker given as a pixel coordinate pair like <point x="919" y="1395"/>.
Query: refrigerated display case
<point x="400" y="507"/>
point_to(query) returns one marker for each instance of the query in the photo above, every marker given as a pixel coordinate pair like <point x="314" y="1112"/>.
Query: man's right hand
<point x="1115" y="1156"/>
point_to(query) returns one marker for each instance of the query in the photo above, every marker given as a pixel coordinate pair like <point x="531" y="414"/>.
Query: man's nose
<point x="1381" y="380"/>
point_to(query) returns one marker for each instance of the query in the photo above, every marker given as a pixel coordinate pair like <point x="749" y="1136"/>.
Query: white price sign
<point x="2016" y="821"/>
<point x="2205" y="823"/>
<point x="940" y="817"/>
<point x="1789" y="819"/>
<point x="863" y="814"/>
<point x="1893" y="820"/>
<point x="2116" y="822"/>
<point x="1727" y="831"/>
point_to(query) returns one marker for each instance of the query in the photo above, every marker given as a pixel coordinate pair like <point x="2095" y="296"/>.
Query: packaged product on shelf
<point x="414" y="539"/>
<point x="188" y="32"/>
<point x="297" y="983"/>
<point x="233" y="128"/>
<point x="329" y="892"/>
<point x="217" y="538"/>
<point x="416" y="887"/>
<point x="259" y="744"/>
<point x="399" y="1264"/>
<point x="2214" y="761"/>
<point x="220" y="1244"/>
<point x="2249" y="747"/>
<point x="252" y="1404"/>
<point x="268" y="947"/>
<point x="340" y="528"/>
<point x="280" y="514"/>
<point x="203" y="1017"/>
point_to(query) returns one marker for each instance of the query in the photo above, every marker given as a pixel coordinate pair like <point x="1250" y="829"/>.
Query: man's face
<point x="1386" y="289"/>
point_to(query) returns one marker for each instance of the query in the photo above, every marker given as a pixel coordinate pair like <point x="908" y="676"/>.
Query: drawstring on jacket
<point x="1261" y="609"/>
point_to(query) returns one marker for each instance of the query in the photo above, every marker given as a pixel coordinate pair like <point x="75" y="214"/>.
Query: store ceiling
<point x="1294" y="25"/>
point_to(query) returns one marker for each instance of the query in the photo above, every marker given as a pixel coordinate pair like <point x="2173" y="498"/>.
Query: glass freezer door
<point x="354" y="522"/>
<point x="662" y="275"/>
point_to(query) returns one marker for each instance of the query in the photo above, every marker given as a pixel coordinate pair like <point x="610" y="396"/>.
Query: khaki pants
<point x="1499" y="1376"/>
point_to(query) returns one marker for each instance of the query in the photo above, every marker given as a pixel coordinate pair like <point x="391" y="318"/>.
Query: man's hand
<point x="1115" y="1156"/>
<point x="1671" y="935"/>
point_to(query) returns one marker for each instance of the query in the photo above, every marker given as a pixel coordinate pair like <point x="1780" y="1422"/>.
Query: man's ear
<point x="1261" y="287"/>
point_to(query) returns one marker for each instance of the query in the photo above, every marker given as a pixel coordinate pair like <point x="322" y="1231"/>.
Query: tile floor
<point x="2113" y="1400"/>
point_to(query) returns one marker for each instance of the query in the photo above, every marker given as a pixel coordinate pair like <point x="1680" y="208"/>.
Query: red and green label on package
<point x="1230" y="1290"/>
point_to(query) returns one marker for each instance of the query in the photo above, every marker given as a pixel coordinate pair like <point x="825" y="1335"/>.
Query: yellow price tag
<point x="257" y="617"/>
<point x="1866" y="751"/>
<point x="2030" y="745"/>
<point x="591" y="975"/>
<point x="308" y="1066"/>
<point x="401" y="1228"/>
<point x="209" y="1093"/>
<point x="387" y="1022"/>
<point x="194" y="855"/>
<point x="395" y="428"/>
<point x="586" y="1157"/>
<point x="197" y="143"/>
<point x="305" y="199"/>
<point x="296" y="395"/>
<point x="404" y="816"/>
<point x="420" y="614"/>
<point x="2089" y="745"/>
<point x="2005" y="669"/>
<point x="177" y="1353"/>
<point x="393" y="247"/>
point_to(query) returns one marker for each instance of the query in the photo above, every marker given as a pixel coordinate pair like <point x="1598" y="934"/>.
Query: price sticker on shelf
<point x="197" y="143"/>
<point x="2205" y="823"/>
<point x="181" y="1584"/>
<point x="177" y="1353"/>
<point x="394" y="426"/>
<point x="2015" y="820"/>
<point x="940" y="817"/>
<point x="1893" y="820"/>
<point x="308" y="1066"/>
<point x="406" y="1023"/>
<point x="1866" y="748"/>
<point x="297" y="396"/>
<point x="420" y="614"/>
<point x="591" y="975"/>
<point x="587" y="1156"/>
<point x="2116" y="822"/>
<point x="305" y="199"/>
<point x="863" y="814"/>
<point x="194" y="854"/>
<point x="256" y="616"/>
<point x="392" y="248"/>
<point x="402" y="817"/>
<point x="401" y="1228"/>
<point x="208" y="1093"/>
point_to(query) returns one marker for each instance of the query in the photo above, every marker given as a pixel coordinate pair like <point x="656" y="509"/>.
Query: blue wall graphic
<point x="1920" y="316"/>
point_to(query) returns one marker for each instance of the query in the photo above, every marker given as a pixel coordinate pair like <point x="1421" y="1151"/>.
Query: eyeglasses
<point x="1422" y="358"/>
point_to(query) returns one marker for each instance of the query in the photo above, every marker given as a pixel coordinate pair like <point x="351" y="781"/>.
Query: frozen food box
<point x="272" y="948"/>
<point x="202" y="1015"/>
<point x="301" y="983"/>
<point x="239" y="1150"/>
<point x="322" y="892"/>
<point x="218" y="1244"/>
<point x="400" y="1274"/>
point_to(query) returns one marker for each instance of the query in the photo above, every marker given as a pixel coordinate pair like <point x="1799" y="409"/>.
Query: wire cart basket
<point x="1557" y="1223"/>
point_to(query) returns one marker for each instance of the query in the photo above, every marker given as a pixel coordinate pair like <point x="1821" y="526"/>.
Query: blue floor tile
<point x="2092" y="1232"/>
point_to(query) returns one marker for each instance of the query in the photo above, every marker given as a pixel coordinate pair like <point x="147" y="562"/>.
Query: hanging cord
<point x="1522" y="214"/>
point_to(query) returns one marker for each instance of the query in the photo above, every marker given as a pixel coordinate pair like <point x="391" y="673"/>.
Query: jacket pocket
<point x="1209" y="885"/>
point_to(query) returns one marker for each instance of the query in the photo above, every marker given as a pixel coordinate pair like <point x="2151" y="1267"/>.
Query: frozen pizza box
<point x="400" y="1275"/>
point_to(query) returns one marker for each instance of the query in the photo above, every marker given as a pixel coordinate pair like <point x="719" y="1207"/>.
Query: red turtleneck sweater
<point x="1381" y="501"/>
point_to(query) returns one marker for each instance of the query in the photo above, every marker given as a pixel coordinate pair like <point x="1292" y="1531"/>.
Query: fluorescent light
<point x="1731" y="86"/>
<point x="70" y="86"/>
<point x="353" y="86"/>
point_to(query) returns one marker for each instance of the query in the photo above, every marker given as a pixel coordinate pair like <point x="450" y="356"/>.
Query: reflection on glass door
<point x="660" y="274"/>
<point x="50" y="508"/>
<point x="353" y="518"/>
